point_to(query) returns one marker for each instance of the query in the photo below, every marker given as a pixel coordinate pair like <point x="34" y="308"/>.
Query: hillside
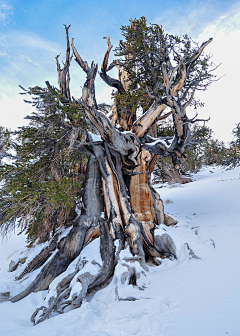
<point x="196" y="295"/>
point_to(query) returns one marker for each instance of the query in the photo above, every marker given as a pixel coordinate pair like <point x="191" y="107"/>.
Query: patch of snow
<point x="109" y="114"/>
<point x="95" y="137"/>
<point x="163" y="142"/>
<point x="139" y="112"/>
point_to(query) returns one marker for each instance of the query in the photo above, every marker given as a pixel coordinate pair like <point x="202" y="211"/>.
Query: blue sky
<point x="32" y="34"/>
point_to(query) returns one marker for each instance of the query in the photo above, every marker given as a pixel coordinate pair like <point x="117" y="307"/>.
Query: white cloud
<point x="26" y="59"/>
<point x="103" y="91"/>
<point x="23" y="39"/>
<point x="190" y="19"/>
<point x="13" y="110"/>
<point x="6" y="11"/>
<point x="104" y="95"/>
<point x="221" y="100"/>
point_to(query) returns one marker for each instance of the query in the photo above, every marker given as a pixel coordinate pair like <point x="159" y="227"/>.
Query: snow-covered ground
<point x="184" y="297"/>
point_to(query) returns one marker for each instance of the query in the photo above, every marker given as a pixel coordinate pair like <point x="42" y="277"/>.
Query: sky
<point x="32" y="34"/>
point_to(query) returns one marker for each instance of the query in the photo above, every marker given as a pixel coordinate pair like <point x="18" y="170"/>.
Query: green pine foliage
<point x="40" y="182"/>
<point x="5" y="135"/>
<point x="206" y="152"/>
<point x="165" y="128"/>
<point x="210" y="151"/>
<point x="236" y="138"/>
<point x="141" y="54"/>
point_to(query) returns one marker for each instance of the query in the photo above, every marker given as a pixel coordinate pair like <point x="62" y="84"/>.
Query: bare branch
<point x="78" y="59"/>
<point x="198" y="53"/>
<point x="88" y="91"/>
<point x="63" y="74"/>
<point x="196" y="120"/>
<point x="142" y="124"/>
<point x="103" y="74"/>
<point x="164" y="116"/>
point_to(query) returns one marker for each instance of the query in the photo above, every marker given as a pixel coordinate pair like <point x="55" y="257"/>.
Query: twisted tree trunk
<point x="128" y="222"/>
<point x="119" y="203"/>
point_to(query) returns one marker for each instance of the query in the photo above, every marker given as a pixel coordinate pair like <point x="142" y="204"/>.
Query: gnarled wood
<point x="70" y="246"/>
<point x="119" y="203"/>
<point x="141" y="198"/>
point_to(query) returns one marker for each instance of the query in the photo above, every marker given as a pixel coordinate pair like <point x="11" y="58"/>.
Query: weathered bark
<point x="63" y="74"/>
<point x="40" y="259"/>
<point x="141" y="197"/>
<point x="70" y="246"/>
<point x="62" y="298"/>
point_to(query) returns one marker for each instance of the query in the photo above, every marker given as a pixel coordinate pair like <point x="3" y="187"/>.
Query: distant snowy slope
<point x="196" y="295"/>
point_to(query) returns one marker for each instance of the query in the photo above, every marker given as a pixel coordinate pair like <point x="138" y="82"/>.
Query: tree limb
<point x="103" y="74"/>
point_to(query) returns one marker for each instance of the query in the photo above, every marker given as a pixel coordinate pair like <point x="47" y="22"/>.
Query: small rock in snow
<point x="13" y="266"/>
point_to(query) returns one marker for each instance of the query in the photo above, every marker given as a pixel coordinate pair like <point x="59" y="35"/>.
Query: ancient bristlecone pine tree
<point x="119" y="204"/>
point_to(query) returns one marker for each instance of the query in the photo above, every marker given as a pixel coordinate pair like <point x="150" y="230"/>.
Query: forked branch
<point x="63" y="74"/>
<point x="103" y="74"/>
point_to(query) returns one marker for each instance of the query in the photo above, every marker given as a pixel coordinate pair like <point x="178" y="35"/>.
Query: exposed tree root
<point x="61" y="262"/>
<point x="86" y="276"/>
